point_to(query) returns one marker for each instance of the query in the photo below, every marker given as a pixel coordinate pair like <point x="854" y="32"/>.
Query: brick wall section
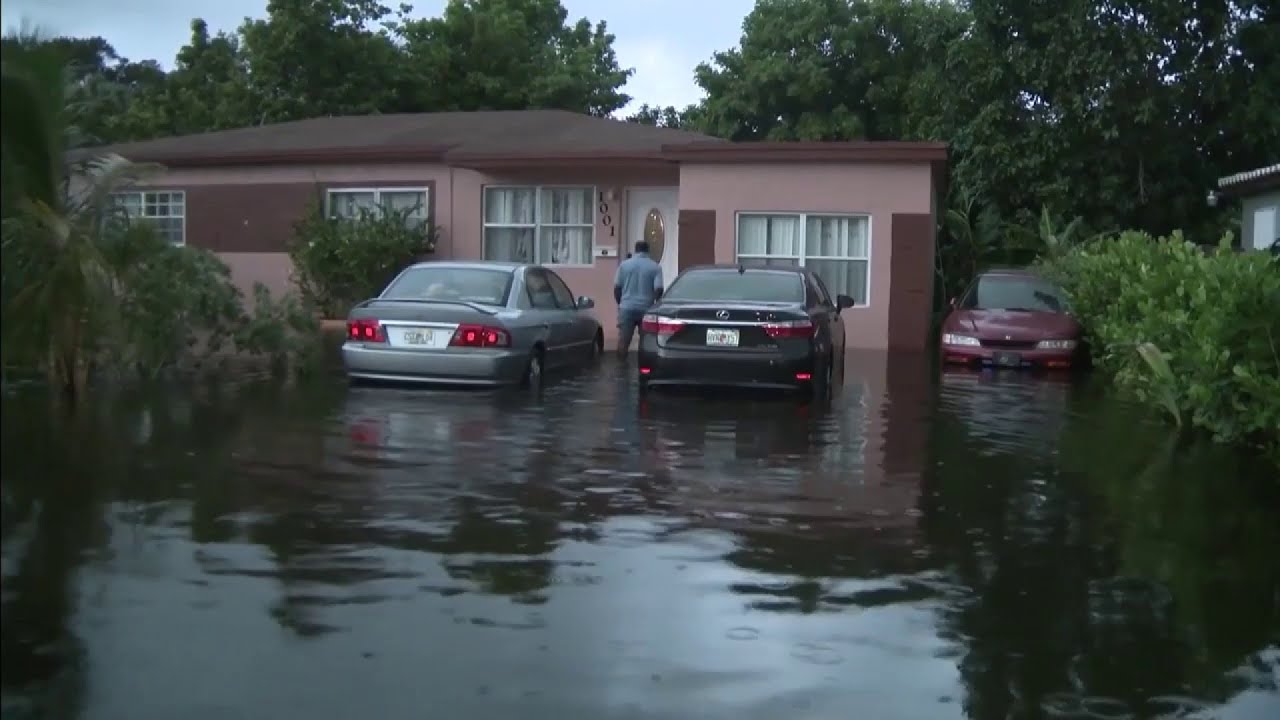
<point x="911" y="272"/>
<point x="246" y="218"/>
<point x="697" y="243"/>
<point x="259" y="218"/>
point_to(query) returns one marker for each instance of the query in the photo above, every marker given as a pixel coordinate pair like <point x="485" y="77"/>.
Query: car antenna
<point x="741" y="268"/>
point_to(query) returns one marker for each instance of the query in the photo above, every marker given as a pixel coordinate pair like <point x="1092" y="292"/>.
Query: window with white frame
<point x="352" y="202"/>
<point x="836" y="247"/>
<point x="163" y="210"/>
<point x="544" y="225"/>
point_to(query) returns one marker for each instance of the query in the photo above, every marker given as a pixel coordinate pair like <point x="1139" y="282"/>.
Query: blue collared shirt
<point x="639" y="278"/>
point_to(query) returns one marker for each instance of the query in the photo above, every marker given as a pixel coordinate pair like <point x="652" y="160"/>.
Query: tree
<point x="512" y="55"/>
<point x="209" y="87"/>
<point x="832" y="70"/>
<point x="667" y="117"/>
<point x="57" y="281"/>
<point x="311" y="58"/>
<point x="1118" y="112"/>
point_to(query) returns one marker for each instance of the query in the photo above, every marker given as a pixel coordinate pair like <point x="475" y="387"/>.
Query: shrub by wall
<point x="1196" y="333"/>
<point x="340" y="261"/>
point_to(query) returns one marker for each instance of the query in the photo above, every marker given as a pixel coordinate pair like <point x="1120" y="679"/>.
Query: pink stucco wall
<point x="594" y="280"/>
<point x="878" y="190"/>
<point x="457" y="206"/>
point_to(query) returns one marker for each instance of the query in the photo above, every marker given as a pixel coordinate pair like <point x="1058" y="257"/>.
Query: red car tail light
<point x="660" y="325"/>
<point x="366" y="330"/>
<point x="790" y="329"/>
<point x="480" y="336"/>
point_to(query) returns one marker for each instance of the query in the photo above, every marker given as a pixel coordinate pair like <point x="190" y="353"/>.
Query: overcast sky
<point x="662" y="39"/>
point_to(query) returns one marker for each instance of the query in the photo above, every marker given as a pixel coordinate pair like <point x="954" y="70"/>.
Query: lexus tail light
<point x="790" y="329"/>
<point x="659" y="325"/>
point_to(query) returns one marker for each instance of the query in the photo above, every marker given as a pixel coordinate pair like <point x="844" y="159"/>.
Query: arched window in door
<point x="655" y="233"/>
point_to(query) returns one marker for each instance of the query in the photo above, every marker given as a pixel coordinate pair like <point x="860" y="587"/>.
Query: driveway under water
<point x="970" y="546"/>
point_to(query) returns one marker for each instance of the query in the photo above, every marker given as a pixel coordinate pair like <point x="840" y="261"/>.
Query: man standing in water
<point x="636" y="287"/>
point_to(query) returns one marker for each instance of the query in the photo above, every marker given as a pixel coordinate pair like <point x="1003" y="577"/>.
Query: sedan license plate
<point x="722" y="337"/>
<point x="1008" y="360"/>
<point x="419" y="336"/>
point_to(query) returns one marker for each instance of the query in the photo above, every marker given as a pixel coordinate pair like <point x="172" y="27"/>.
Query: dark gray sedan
<point x="471" y="323"/>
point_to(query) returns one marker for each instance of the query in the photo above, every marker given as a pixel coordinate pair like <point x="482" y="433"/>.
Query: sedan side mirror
<point x="585" y="303"/>
<point x="953" y="302"/>
<point x="844" y="301"/>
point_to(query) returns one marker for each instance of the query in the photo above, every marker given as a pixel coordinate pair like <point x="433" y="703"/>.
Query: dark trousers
<point x="628" y="322"/>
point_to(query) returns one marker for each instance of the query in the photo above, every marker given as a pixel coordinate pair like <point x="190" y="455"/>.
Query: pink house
<point x="572" y="192"/>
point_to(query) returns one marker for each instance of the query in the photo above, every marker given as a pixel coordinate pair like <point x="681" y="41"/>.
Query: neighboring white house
<point x="1259" y="194"/>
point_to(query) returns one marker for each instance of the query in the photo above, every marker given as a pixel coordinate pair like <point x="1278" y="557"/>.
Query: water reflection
<point x="979" y="546"/>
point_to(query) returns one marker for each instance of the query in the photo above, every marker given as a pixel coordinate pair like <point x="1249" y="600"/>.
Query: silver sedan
<point x="471" y="323"/>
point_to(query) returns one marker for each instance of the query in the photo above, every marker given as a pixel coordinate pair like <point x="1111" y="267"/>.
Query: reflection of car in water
<point x="1014" y="319"/>
<point x="1008" y="410"/>
<point x="471" y="323"/>
<point x="396" y="426"/>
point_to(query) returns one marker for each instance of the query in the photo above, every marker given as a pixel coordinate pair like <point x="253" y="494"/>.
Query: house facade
<point x="572" y="192"/>
<point x="1258" y="192"/>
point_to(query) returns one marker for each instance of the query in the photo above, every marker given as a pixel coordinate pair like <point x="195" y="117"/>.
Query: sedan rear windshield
<point x="479" y="285"/>
<point x="733" y="286"/>
<point x="1014" y="292"/>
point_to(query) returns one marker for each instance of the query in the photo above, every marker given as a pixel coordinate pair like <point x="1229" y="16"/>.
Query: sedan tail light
<point x="480" y="336"/>
<point x="790" y="329"/>
<point x="366" y="330"/>
<point x="660" y="325"/>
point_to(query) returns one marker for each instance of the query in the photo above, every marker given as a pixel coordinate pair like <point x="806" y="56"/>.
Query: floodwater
<point x="964" y="546"/>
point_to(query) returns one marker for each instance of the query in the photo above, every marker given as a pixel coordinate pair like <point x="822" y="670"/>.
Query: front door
<point x="653" y="216"/>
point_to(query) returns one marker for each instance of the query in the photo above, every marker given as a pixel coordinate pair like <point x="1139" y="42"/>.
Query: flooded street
<point x="966" y="547"/>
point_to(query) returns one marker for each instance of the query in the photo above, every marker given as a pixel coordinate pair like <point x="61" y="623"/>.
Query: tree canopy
<point x="1119" y="112"/>
<point x="477" y="55"/>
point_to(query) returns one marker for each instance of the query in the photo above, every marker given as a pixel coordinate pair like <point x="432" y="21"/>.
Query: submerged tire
<point x="533" y="371"/>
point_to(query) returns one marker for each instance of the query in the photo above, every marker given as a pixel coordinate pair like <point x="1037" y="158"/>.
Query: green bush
<point x="340" y="261"/>
<point x="164" y="307"/>
<point x="285" y="331"/>
<point x="1195" y="332"/>
<point x="176" y="303"/>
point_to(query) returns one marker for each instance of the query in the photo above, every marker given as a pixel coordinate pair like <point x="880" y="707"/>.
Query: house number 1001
<point x="606" y="217"/>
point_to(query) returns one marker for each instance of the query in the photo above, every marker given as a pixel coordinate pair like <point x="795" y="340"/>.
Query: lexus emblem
<point x="722" y="314"/>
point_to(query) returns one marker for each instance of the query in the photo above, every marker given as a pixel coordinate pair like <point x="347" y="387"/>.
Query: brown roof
<point x="425" y="137"/>
<point x="491" y="139"/>
<point x="855" y="151"/>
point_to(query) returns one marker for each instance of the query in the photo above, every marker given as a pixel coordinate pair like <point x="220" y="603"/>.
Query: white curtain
<point x="567" y="220"/>
<point x="835" y="237"/>
<point x="412" y="201"/>
<point x="562" y="220"/>
<point x="509" y="206"/>
<point x="769" y="239"/>
<point x="753" y="235"/>
<point x="509" y="230"/>
<point x="566" y="206"/>
<point x="508" y="244"/>
<point x="836" y="248"/>
<point x="565" y="246"/>
<point x="350" y="204"/>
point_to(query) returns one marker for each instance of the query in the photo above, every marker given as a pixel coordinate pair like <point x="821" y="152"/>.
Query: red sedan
<point x="1013" y="319"/>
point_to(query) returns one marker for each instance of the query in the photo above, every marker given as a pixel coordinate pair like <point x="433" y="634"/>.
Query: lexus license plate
<point x="722" y="337"/>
